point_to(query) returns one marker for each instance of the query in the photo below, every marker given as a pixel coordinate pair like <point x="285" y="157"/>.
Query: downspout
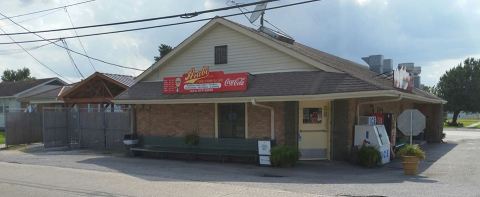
<point x="272" y="118"/>
<point x="400" y="97"/>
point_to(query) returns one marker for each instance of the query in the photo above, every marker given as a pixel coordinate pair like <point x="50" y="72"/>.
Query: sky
<point x="434" y="34"/>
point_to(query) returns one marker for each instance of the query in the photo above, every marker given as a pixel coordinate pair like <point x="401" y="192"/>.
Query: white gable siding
<point x="244" y="55"/>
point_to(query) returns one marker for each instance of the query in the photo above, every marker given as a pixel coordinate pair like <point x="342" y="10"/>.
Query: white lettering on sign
<point x="234" y="82"/>
<point x="192" y="86"/>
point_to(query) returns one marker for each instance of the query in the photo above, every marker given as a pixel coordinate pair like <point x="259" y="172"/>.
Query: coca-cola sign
<point x="203" y="80"/>
<point x="240" y="81"/>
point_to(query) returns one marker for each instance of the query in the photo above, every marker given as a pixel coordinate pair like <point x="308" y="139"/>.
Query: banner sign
<point x="205" y="81"/>
<point x="402" y="79"/>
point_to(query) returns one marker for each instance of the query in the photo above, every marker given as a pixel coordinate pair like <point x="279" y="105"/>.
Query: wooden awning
<point x="97" y="88"/>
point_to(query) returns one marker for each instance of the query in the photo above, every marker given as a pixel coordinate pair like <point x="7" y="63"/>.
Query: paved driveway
<point x="451" y="169"/>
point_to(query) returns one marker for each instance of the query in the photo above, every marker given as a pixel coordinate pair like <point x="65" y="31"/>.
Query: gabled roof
<point x="123" y="79"/>
<point x="324" y="61"/>
<point x="14" y="89"/>
<point x="97" y="88"/>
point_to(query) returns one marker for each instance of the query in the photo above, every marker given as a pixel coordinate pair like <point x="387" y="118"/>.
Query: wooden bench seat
<point x="206" y="146"/>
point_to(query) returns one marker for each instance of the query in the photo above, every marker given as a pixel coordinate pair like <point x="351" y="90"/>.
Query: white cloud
<point x="401" y="30"/>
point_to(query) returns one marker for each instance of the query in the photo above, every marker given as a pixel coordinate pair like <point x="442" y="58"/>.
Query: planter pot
<point x="410" y="165"/>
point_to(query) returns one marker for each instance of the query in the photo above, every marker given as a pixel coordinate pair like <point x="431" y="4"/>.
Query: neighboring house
<point x="247" y="85"/>
<point x="12" y="92"/>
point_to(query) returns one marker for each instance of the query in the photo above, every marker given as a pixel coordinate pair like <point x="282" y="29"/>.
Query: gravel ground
<point x="451" y="169"/>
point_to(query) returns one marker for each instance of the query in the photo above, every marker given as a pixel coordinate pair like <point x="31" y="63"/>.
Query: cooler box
<point x="376" y="136"/>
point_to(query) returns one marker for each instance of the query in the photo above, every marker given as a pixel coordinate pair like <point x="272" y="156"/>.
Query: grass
<point x="2" y="137"/>
<point x="465" y="122"/>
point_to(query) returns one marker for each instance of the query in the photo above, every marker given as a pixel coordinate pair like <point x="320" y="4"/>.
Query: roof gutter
<point x="272" y="117"/>
<point x="400" y="97"/>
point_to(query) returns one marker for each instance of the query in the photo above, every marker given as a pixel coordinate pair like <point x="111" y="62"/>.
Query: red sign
<point x="205" y="81"/>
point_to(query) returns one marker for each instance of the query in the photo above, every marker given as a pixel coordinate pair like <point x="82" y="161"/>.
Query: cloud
<point x="435" y="36"/>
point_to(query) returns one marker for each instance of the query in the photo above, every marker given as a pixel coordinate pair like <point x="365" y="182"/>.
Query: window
<point x="231" y="120"/>
<point x="312" y="115"/>
<point x="221" y="54"/>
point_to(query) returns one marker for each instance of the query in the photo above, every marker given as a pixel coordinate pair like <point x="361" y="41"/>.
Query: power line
<point x="103" y="61"/>
<point x="15" y="51"/>
<point x="79" y="40"/>
<point x="46" y="10"/>
<point x="71" y="59"/>
<point x="33" y="18"/>
<point x="186" y="15"/>
<point x="38" y="61"/>
<point x="165" y="25"/>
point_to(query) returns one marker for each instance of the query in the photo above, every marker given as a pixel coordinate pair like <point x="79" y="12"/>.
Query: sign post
<point x="411" y="122"/>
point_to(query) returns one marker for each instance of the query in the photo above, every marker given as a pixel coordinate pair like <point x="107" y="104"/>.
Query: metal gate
<point x="23" y="127"/>
<point x="85" y="129"/>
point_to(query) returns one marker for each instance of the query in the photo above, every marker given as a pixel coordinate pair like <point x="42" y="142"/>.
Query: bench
<point x="221" y="148"/>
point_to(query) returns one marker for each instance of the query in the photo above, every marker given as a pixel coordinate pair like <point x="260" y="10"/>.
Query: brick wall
<point x="180" y="119"/>
<point x="176" y="120"/>
<point x="259" y="121"/>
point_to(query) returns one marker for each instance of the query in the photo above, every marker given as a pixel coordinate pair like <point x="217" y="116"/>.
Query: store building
<point x="231" y="81"/>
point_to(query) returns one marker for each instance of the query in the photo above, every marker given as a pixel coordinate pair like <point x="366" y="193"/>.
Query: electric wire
<point x="37" y="60"/>
<point x="158" y="26"/>
<point x="33" y="18"/>
<point x="16" y="51"/>
<point x="103" y="61"/>
<point x="46" y="10"/>
<point x="186" y="15"/>
<point x="79" y="40"/>
<point x="72" y="60"/>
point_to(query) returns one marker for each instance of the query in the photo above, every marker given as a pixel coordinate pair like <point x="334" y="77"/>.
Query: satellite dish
<point x="259" y="11"/>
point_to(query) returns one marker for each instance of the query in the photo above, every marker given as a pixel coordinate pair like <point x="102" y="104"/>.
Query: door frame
<point x="246" y="119"/>
<point x="324" y="127"/>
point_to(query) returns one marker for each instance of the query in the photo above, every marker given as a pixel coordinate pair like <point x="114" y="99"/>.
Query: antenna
<point x="258" y="12"/>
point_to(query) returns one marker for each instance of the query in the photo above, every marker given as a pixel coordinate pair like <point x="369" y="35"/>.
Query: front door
<point x="231" y="120"/>
<point x="314" y="133"/>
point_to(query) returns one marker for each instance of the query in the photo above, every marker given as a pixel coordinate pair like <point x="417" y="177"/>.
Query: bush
<point x="368" y="156"/>
<point x="411" y="150"/>
<point x="284" y="156"/>
<point x="192" y="139"/>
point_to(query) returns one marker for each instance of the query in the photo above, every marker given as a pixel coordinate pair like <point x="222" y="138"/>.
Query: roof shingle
<point x="268" y="84"/>
<point x="13" y="88"/>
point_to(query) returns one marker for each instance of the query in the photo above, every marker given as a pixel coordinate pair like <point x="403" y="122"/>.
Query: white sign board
<point x="411" y="122"/>
<point x="264" y="147"/>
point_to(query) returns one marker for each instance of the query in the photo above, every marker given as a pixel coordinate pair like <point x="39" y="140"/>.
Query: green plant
<point x="192" y="139"/>
<point x="368" y="156"/>
<point x="284" y="156"/>
<point x="411" y="150"/>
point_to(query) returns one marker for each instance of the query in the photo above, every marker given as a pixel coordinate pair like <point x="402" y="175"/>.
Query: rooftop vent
<point x="277" y="35"/>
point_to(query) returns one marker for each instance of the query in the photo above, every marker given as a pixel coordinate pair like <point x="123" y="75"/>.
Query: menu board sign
<point x="195" y="81"/>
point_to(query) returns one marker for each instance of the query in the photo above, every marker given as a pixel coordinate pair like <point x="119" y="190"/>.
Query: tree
<point x="18" y="75"/>
<point x="163" y="49"/>
<point x="430" y="89"/>
<point x="460" y="86"/>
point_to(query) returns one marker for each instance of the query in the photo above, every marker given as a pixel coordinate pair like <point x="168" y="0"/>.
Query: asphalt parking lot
<point x="451" y="169"/>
